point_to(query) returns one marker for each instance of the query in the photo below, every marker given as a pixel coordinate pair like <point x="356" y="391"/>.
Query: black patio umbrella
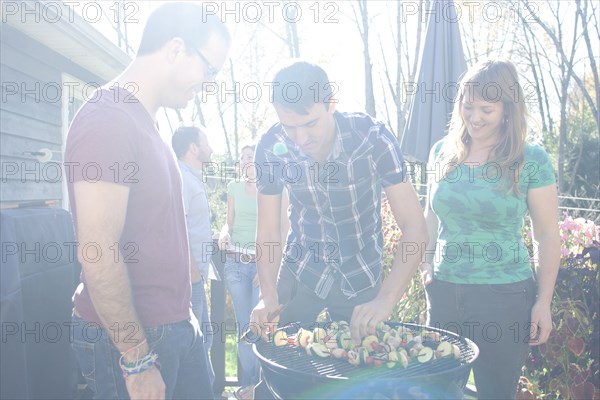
<point x="441" y="64"/>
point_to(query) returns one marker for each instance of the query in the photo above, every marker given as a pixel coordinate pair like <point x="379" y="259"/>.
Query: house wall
<point x="31" y="117"/>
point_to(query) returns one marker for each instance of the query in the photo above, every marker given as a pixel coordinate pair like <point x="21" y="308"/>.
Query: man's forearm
<point x="110" y="292"/>
<point x="268" y="266"/>
<point x="269" y="246"/>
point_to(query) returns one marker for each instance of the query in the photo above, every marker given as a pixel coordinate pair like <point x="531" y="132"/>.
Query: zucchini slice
<point x="425" y="355"/>
<point x="280" y="338"/>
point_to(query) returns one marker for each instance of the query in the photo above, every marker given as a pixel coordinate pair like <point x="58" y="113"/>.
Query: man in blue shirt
<point x="192" y="149"/>
<point x="334" y="166"/>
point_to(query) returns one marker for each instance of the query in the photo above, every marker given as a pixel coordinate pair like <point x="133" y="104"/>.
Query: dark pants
<point x="180" y="350"/>
<point x="497" y="318"/>
<point x="302" y="305"/>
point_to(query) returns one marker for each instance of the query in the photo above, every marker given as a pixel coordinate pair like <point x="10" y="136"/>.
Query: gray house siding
<point x="31" y="119"/>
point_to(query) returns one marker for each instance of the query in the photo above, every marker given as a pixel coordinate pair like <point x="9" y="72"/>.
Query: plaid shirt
<point x="335" y="206"/>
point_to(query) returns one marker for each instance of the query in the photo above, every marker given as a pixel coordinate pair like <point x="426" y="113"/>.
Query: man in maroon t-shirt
<point x="132" y="308"/>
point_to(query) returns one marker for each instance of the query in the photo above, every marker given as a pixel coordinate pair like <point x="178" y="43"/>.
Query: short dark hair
<point x="183" y="137"/>
<point x="188" y="21"/>
<point x="300" y="85"/>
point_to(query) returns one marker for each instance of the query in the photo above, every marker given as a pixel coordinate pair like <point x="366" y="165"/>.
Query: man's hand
<point x="146" y="385"/>
<point x="265" y="318"/>
<point x="366" y="316"/>
<point x="541" y="324"/>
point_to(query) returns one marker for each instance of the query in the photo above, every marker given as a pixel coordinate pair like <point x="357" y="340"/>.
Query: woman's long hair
<point x="492" y="81"/>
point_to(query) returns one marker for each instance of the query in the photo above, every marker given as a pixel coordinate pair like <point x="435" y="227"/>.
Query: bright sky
<point x="327" y="33"/>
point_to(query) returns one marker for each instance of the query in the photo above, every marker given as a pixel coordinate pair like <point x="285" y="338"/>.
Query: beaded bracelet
<point x="138" y="366"/>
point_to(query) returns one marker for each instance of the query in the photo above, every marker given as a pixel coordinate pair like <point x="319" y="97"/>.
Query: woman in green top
<point x="479" y="278"/>
<point x="238" y="240"/>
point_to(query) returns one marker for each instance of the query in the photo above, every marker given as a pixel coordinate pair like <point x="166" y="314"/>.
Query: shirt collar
<point x="337" y="148"/>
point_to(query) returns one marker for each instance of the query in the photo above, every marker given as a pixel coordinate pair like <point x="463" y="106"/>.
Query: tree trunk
<point x="364" y="30"/>
<point x="562" y="136"/>
<point x="291" y="30"/>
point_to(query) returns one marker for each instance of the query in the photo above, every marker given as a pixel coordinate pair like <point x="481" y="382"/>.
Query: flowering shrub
<point x="577" y="235"/>
<point x="567" y="366"/>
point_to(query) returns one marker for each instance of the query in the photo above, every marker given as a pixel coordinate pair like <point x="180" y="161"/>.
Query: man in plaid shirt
<point x="334" y="166"/>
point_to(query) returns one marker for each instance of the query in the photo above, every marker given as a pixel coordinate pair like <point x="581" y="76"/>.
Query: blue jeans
<point x="497" y="318"/>
<point x="180" y="350"/>
<point x="238" y="277"/>
<point x="200" y="309"/>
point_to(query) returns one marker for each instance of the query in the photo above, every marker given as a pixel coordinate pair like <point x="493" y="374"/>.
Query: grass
<point x="471" y="385"/>
<point x="230" y="355"/>
<point x="230" y="363"/>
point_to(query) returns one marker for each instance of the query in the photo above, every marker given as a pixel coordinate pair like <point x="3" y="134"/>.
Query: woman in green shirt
<point x="478" y="273"/>
<point x="238" y="240"/>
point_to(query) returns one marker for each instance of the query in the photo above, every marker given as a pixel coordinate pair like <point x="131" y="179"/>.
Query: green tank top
<point x="244" y="225"/>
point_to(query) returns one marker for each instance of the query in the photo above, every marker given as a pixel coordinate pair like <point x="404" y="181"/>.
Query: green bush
<point x="412" y="307"/>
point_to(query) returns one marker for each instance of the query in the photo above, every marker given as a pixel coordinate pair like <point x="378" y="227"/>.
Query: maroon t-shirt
<point x="113" y="139"/>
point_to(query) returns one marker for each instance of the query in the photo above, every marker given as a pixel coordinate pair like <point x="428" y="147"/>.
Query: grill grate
<point x="295" y="360"/>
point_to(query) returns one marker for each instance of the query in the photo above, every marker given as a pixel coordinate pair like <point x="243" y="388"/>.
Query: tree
<point x="582" y="172"/>
<point x="554" y="45"/>
<point x="402" y="68"/>
<point x="553" y="28"/>
<point x="242" y="99"/>
<point x="363" y="27"/>
<point x="291" y="30"/>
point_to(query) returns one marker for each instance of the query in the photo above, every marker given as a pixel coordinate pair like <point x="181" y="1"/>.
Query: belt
<point x="241" y="257"/>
